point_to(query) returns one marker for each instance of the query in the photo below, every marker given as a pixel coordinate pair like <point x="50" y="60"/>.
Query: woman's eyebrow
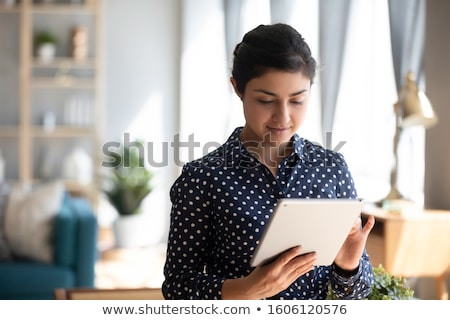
<point x="275" y="95"/>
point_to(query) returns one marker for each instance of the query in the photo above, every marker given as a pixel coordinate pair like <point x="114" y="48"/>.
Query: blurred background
<point x="158" y="72"/>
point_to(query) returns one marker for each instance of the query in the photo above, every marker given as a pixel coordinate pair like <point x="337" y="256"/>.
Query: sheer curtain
<point x="334" y="17"/>
<point x="203" y="82"/>
<point x="364" y="120"/>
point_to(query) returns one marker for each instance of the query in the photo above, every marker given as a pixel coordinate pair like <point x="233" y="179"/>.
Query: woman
<point x="222" y="201"/>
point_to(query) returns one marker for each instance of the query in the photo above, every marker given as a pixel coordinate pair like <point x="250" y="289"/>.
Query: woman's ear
<point x="233" y="83"/>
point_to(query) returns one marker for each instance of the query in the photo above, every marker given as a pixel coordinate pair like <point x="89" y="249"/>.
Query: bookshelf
<point x="52" y="106"/>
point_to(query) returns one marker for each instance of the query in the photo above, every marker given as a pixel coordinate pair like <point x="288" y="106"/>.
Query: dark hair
<point x="277" y="46"/>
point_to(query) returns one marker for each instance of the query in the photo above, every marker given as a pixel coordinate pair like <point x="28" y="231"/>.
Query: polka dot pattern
<point x="221" y="204"/>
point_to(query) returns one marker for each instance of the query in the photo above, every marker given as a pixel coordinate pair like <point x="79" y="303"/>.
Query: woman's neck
<point x="268" y="153"/>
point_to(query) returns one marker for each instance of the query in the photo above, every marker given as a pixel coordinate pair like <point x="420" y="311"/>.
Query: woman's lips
<point x="278" y="131"/>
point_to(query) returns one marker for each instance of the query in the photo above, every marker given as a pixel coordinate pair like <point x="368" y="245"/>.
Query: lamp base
<point x="393" y="194"/>
<point x="401" y="207"/>
<point x="396" y="203"/>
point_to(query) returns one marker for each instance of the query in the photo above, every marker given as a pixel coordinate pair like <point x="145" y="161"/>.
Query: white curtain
<point x="203" y="78"/>
<point x="333" y="22"/>
<point x="364" y="117"/>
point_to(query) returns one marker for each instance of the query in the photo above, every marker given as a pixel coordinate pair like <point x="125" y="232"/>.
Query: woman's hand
<point x="351" y="251"/>
<point x="270" y="279"/>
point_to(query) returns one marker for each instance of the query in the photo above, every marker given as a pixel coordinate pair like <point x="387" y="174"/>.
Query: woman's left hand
<point x="351" y="251"/>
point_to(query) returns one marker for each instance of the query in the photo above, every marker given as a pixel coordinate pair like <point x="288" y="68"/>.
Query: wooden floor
<point x="130" y="267"/>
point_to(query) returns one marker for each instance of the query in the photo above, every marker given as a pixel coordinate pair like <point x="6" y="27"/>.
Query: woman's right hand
<point x="270" y="279"/>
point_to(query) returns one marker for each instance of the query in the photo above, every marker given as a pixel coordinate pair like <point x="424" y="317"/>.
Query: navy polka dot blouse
<point x="221" y="204"/>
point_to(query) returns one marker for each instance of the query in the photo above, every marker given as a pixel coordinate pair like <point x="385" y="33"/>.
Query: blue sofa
<point x="75" y="239"/>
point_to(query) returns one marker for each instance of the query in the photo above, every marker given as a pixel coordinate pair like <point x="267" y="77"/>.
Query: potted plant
<point x="389" y="287"/>
<point x="385" y="287"/>
<point x="45" y="44"/>
<point x="126" y="186"/>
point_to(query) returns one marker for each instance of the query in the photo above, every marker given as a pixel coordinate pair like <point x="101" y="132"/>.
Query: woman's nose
<point x="281" y="114"/>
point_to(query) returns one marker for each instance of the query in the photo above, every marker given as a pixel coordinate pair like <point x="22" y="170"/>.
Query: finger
<point x="368" y="225"/>
<point x="356" y="226"/>
<point x="305" y="261"/>
<point x="288" y="255"/>
<point x="303" y="264"/>
<point x="309" y="258"/>
<point x="357" y="222"/>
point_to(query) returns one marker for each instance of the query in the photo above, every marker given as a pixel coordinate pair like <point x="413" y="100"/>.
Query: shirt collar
<point x="234" y="144"/>
<point x="299" y="145"/>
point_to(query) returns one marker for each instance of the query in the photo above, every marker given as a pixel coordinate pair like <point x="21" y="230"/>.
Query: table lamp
<point x="412" y="109"/>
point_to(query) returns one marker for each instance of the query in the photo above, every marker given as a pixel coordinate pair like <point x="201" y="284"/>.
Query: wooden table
<point x="412" y="245"/>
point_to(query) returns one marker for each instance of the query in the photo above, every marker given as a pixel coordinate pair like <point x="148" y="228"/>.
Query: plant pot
<point x="133" y="231"/>
<point x="46" y="52"/>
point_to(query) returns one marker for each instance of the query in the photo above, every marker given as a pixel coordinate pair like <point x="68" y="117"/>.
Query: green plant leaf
<point x="45" y="37"/>
<point x="385" y="287"/>
<point x="129" y="181"/>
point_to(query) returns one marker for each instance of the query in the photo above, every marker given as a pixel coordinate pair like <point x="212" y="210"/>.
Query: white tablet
<point x="318" y="225"/>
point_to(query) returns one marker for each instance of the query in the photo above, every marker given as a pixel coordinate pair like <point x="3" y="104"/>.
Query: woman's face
<point x="275" y="106"/>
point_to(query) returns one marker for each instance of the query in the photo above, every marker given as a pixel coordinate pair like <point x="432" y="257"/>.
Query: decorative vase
<point x="79" y="43"/>
<point x="134" y="231"/>
<point x="46" y="52"/>
<point x="77" y="167"/>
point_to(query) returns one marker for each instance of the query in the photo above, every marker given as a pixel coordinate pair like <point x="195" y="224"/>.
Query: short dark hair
<point x="277" y="46"/>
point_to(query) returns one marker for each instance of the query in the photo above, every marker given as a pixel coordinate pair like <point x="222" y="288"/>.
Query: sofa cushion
<point x="29" y="220"/>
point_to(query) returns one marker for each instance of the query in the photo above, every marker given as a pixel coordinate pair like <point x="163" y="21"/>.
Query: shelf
<point x="9" y="131"/>
<point x="64" y="132"/>
<point x="48" y="86"/>
<point x="9" y="9"/>
<point x="62" y="8"/>
<point x="62" y="82"/>
<point x="65" y="63"/>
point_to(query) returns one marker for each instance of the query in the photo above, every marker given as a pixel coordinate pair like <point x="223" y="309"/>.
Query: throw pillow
<point x="5" y="253"/>
<point x="29" y="220"/>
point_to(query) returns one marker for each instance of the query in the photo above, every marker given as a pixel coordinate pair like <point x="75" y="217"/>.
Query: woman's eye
<point x="265" y="101"/>
<point x="298" y="102"/>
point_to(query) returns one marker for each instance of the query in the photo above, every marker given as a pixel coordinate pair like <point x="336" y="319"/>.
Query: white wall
<point x="437" y="156"/>
<point x="141" y="59"/>
<point x="437" y="70"/>
<point x="141" y="53"/>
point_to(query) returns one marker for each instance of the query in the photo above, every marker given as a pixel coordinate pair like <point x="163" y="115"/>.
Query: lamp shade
<point x="414" y="106"/>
